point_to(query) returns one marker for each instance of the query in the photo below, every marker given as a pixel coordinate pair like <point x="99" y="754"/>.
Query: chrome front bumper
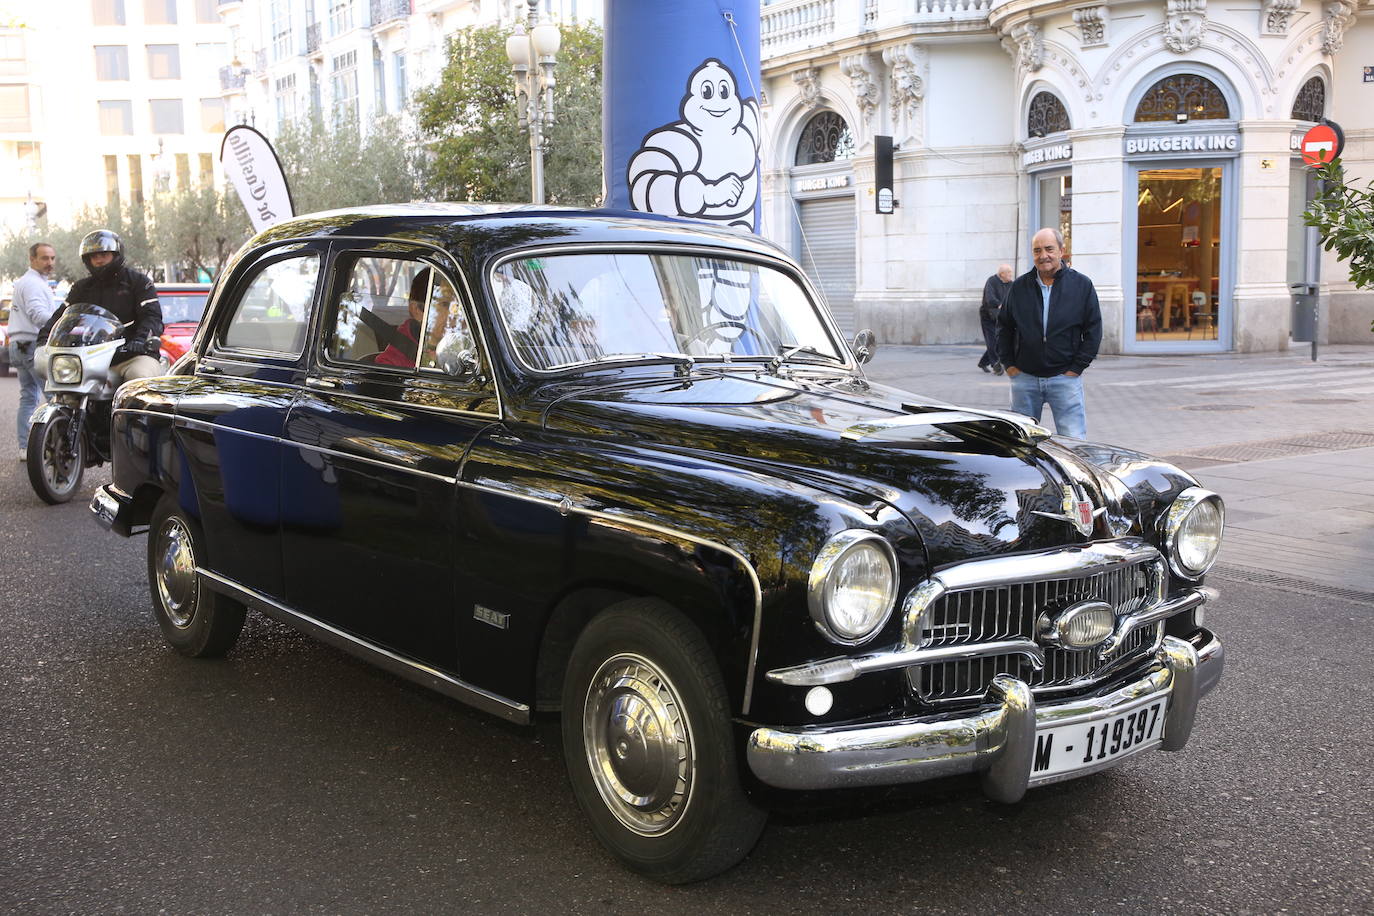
<point x="999" y="742"/>
<point x="112" y="509"/>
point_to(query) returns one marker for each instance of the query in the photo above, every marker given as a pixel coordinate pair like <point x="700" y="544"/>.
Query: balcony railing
<point x="386" y="10"/>
<point x="312" y="38"/>
<point x="259" y="61"/>
<point x="231" y="78"/>
<point x="795" y="25"/>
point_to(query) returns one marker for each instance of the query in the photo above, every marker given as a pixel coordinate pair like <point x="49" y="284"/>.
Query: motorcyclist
<point x="126" y="292"/>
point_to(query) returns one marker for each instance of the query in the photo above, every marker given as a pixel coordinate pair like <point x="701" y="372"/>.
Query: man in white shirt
<point x="32" y="306"/>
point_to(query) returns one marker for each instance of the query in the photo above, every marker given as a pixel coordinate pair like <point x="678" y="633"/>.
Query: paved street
<point x="289" y="778"/>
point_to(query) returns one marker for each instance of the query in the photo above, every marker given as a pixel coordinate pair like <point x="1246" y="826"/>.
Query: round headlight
<point x="65" y="369"/>
<point x="1192" y="531"/>
<point x="853" y="586"/>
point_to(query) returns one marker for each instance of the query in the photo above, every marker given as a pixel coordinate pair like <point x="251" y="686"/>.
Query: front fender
<point x="46" y="411"/>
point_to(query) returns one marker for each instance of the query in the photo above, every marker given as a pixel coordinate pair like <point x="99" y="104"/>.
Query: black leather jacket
<point x="126" y="292"/>
<point x="1070" y="342"/>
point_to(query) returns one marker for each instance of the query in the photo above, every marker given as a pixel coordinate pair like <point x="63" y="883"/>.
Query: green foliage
<point x="129" y="222"/>
<point x="331" y="166"/>
<point x="198" y="228"/>
<point x="468" y="122"/>
<point x="1344" y="216"/>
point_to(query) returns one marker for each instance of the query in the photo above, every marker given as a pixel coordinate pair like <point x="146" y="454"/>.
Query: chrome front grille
<point x="964" y="611"/>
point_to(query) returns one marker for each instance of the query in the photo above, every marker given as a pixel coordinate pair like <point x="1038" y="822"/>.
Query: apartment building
<point x="106" y="100"/>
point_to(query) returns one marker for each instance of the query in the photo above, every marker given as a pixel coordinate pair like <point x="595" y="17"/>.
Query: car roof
<point x="481" y="230"/>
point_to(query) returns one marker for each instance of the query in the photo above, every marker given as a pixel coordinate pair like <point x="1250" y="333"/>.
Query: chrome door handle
<point x="315" y="382"/>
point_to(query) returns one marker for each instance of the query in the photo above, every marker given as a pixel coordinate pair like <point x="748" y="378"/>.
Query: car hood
<point x="971" y="482"/>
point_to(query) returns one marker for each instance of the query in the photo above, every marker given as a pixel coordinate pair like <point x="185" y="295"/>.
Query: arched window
<point x="1047" y="115"/>
<point x="1310" y="105"/>
<point x="826" y="138"/>
<point x="1183" y="97"/>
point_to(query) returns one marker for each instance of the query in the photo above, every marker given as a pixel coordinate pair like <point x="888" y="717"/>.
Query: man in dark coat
<point x="129" y="294"/>
<point x="994" y="294"/>
<point x="1048" y="333"/>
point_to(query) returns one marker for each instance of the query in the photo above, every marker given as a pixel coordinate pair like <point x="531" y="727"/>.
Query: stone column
<point x="1098" y="211"/>
<point x="1261" y="302"/>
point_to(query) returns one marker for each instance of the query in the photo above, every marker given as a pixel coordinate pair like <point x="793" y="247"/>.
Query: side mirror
<point x="864" y="346"/>
<point x="454" y="360"/>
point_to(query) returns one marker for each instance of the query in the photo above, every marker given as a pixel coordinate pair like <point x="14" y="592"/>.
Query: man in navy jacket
<point x="1048" y="333"/>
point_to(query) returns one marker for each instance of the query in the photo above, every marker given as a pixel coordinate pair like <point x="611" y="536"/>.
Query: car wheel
<point x="194" y="620"/>
<point x="649" y="747"/>
<point x="54" y="472"/>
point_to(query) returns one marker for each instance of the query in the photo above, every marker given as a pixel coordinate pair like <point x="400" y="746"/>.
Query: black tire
<point x="54" y="476"/>
<point x="194" y="620"/>
<point x="671" y="809"/>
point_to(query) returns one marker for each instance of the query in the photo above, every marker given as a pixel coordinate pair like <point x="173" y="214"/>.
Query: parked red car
<point x="183" y="304"/>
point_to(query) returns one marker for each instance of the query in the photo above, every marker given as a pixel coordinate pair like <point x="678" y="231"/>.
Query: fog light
<point x="819" y="700"/>
<point x="1081" y="626"/>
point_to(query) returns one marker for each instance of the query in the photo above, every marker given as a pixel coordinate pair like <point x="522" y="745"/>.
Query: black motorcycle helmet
<point x="98" y="241"/>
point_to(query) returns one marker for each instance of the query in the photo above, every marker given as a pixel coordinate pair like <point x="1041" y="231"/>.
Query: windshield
<point x="84" y="325"/>
<point x="562" y="310"/>
<point x="182" y="306"/>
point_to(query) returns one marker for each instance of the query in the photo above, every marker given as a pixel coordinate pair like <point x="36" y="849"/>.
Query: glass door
<point x="1180" y="254"/>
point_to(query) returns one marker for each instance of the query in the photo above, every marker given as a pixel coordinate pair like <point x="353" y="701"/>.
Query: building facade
<point x="1160" y="136"/>
<point x="106" y="101"/>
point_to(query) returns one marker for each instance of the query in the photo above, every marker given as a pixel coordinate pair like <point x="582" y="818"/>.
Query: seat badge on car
<point x="487" y="615"/>
<point x="1077" y="510"/>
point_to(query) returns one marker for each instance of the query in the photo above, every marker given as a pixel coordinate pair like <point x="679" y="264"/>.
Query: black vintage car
<point x="626" y="468"/>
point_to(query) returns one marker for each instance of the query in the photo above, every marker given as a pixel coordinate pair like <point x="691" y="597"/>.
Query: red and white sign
<point x="1321" y="144"/>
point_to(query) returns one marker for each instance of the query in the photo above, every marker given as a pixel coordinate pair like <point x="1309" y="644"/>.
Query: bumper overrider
<point x="1000" y="740"/>
<point x="113" y="510"/>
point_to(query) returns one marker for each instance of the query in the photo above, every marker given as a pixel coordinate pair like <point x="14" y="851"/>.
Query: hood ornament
<point x="1077" y="510"/>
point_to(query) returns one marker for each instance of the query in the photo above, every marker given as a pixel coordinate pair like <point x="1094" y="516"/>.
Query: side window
<point x="274" y="312"/>
<point x="397" y="313"/>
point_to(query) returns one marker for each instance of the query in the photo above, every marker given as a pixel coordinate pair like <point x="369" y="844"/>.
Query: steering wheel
<point x="701" y="332"/>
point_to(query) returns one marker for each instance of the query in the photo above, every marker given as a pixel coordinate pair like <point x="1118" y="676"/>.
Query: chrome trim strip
<point x="999" y="741"/>
<point x="1026" y="430"/>
<point x="390" y="466"/>
<point x="417" y="672"/>
<point x="839" y="670"/>
<point x="1059" y="563"/>
<point x="1193" y="597"/>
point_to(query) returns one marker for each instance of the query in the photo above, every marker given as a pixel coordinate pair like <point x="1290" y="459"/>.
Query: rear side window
<point x="396" y="313"/>
<point x="274" y="311"/>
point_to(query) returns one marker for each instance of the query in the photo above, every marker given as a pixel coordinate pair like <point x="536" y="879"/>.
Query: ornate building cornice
<point x="1025" y="42"/>
<point x="1092" y="25"/>
<point x="1184" y="23"/>
<point x="808" y="80"/>
<point x="1337" y="16"/>
<point x="863" y="78"/>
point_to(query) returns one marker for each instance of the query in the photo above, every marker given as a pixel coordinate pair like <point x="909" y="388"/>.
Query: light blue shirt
<point x="1045" y="299"/>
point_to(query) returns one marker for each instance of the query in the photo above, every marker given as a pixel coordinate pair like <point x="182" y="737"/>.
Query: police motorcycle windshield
<point x="85" y="325"/>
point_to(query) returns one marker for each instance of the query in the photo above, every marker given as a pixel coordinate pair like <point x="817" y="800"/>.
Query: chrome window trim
<point x="399" y="665"/>
<point x="1171" y="521"/>
<point x="778" y="262"/>
<point x="835" y="547"/>
<point x="555" y="504"/>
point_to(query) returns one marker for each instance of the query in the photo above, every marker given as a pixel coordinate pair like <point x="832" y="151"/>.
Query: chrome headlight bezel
<point x="65" y="362"/>
<point x="820" y="585"/>
<point x="1171" y="526"/>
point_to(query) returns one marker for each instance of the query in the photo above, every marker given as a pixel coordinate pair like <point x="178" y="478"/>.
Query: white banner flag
<point x="253" y="167"/>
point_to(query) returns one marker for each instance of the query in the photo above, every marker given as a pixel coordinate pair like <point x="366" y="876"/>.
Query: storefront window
<point x="1178" y="246"/>
<point x="1183" y="97"/>
<point x="1056" y="206"/>
<point x="826" y="138"/>
<point x="1310" y="105"/>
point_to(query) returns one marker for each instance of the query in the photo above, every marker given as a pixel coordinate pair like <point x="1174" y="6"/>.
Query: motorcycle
<point x="71" y="432"/>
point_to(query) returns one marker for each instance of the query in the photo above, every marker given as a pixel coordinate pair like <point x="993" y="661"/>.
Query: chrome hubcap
<point x="175" y="571"/>
<point x="639" y="744"/>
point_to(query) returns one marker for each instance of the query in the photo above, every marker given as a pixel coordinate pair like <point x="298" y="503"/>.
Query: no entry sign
<point x="1322" y="144"/>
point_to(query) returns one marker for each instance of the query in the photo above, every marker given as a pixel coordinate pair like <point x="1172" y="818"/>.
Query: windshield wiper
<point x="787" y="351"/>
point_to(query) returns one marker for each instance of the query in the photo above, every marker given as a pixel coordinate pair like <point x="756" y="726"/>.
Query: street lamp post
<point x="531" y="54"/>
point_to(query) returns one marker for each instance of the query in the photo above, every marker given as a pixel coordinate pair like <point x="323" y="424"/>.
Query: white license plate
<point x="1062" y="750"/>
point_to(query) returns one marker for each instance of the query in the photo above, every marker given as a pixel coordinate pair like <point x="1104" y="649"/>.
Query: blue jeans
<point x="30" y="388"/>
<point x="1064" y="394"/>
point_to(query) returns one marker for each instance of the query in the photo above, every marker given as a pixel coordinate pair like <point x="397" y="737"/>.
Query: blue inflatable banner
<point x="682" y="127"/>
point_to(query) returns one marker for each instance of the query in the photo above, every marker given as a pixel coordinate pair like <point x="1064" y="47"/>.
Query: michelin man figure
<point x="706" y="164"/>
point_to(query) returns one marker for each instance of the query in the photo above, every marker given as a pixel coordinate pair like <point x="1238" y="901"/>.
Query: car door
<point x="392" y="400"/>
<point x="230" y="418"/>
